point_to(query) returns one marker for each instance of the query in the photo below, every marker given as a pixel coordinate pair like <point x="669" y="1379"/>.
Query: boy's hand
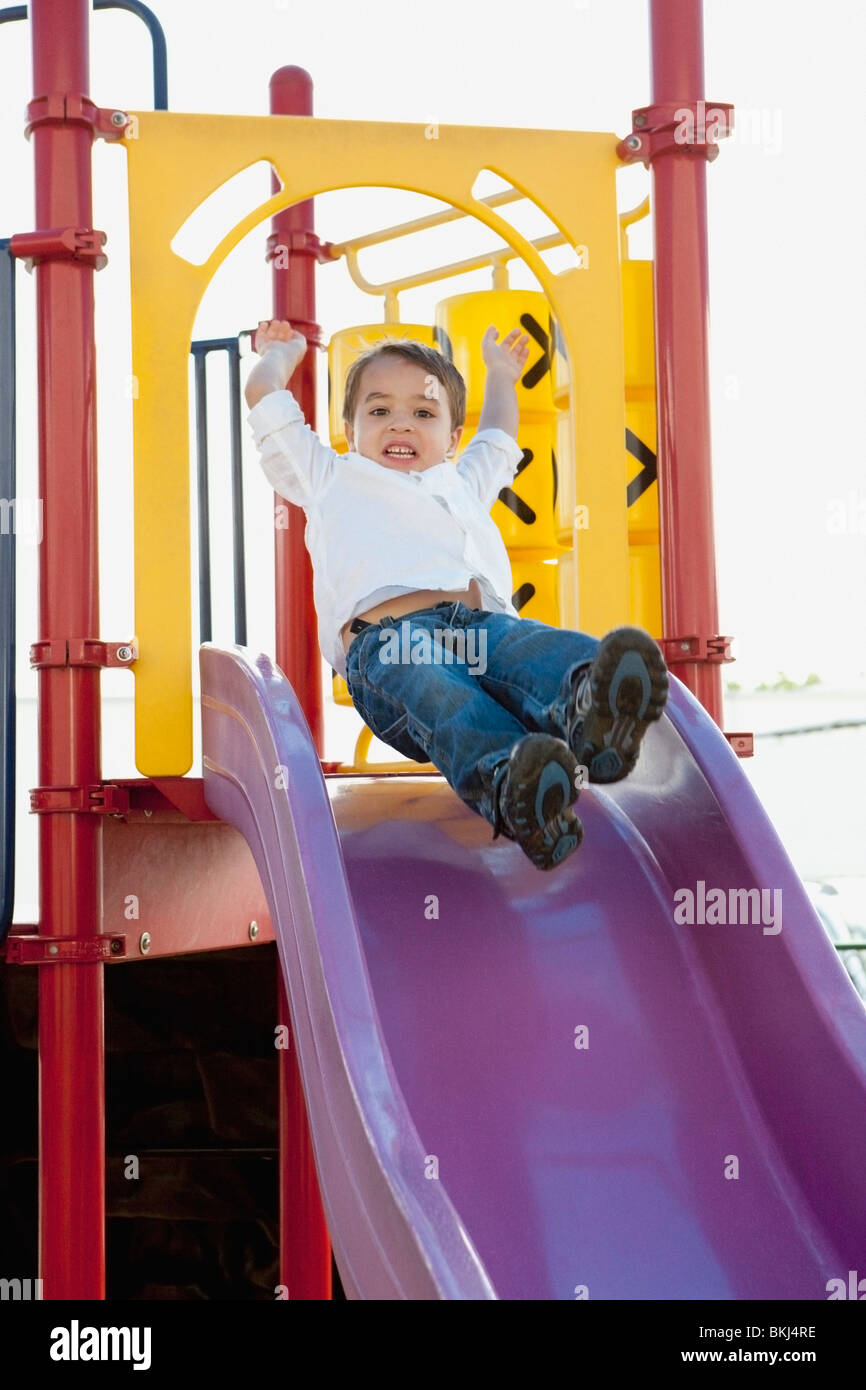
<point x="273" y="332"/>
<point x="507" y="358"/>
<point x="281" y="348"/>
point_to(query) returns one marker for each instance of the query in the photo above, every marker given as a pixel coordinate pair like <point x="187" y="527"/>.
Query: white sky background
<point x="786" y="228"/>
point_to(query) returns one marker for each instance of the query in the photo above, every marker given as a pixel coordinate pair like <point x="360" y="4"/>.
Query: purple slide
<point x="628" y="1078"/>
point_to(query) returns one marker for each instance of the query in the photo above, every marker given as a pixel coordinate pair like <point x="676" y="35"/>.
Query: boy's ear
<point x="456" y="436"/>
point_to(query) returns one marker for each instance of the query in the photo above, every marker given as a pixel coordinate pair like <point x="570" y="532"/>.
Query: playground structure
<point x="696" y="1048"/>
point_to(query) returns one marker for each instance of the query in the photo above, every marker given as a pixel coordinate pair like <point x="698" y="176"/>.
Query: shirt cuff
<point x="273" y="412"/>
<point x="501" y="438"/>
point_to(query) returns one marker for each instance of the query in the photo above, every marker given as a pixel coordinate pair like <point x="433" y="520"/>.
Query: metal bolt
<point x="640" y="120"/>
<point x="116" y="946"/>
<point x="144" y="942"/>
<point x="124" y="653"/>
<point x="119" y="118"/>
<point x="633" y="142"/>
<point x="254" y="930"/>
<point x="685" y="646"/>
<point x="53" y="950"/>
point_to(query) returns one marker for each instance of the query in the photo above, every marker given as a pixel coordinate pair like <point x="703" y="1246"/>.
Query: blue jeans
<point x="459" y="686"/>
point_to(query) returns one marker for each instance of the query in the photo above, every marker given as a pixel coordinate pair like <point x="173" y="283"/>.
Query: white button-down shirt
<point x="373" y="532"/>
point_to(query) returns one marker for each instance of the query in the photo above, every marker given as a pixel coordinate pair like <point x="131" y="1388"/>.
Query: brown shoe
<point x="533" y="794"/>
<point x="615" y="701"/>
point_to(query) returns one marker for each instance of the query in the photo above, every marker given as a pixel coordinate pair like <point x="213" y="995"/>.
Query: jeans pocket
<point x="397" y="732"/>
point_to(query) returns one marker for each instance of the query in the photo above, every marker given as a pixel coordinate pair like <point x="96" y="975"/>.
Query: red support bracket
<point x="742" y="744"/>
<point x="74" y="108"/>
<point x="676" y="650"/>
<point x="690" y="127"/>
<point x="63" y="950"/>
<point x="296" y="240"/>
<point x="104" y="799"/>
<point x="82" y="651"/>
<point x="60" y="244"/>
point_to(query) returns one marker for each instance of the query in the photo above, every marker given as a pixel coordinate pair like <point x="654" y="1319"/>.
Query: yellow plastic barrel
<point x="462" y="322"/>
<point x="526" y="515"/>
<point x="525" y="511"/>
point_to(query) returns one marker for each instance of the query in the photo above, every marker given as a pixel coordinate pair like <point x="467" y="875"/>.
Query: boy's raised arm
<point x="294" y="460"/>
<point x="281" y="348"/>
<point x="504" y="362"/>
<point x="489" y="465"/>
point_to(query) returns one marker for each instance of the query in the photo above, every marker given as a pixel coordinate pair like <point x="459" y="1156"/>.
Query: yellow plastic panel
<point x="561" y="370"/>
<point x="534" y="591"/>
<point x="640" y="414"/>
<point x="349" y="344"/>
<point x="646" y="588"/>
<point x="566" y="578"/>
<point x="566" y="478"/>
<point x="637" y="314"/>
<point x="176" y="160"/>
<point x="643" y="514"/>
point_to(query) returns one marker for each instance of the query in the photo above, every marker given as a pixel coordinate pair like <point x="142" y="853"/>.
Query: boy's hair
<point x="434" y="364"/>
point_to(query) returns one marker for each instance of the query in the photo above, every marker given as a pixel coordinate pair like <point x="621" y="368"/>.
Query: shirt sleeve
<point x="489" y="463"/>
<point x="294" y="460"/>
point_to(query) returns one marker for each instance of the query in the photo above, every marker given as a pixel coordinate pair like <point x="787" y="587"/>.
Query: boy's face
<point x="402" y="420"/>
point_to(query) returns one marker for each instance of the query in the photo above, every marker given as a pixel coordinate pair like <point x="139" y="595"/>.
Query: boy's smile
<point x="402" y="420"/>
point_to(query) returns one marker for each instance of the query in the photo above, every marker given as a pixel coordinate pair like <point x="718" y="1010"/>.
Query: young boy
<point x="399" y="535"/>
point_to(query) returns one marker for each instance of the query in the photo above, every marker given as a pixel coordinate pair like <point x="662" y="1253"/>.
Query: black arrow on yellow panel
<point x="516" y="504"/>
<point x="649" y="470"/>
<point x="542" y="366"/>
<point x="521" y="596"/>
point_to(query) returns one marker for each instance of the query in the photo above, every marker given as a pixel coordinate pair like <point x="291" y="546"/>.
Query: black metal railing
<point x="200" y="352"/>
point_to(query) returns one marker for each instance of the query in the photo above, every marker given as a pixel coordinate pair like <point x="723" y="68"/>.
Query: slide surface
<point x="530" y="1085"/>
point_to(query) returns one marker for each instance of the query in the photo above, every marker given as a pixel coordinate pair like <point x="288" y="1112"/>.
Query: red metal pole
<point x="305" y="1250"/>
<point x="689" y="596"/>
<point x="72" y="1124"/>
<point x="294" y="240"/>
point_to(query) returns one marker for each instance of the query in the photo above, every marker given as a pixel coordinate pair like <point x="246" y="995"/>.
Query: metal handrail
<point x="498" y="257"/>
<point x="336" y="249"/>
<point x="200" y="351"/>
<point x="157" y="36"/>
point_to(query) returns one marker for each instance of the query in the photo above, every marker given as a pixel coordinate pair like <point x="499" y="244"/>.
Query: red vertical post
<point x="292" y="246"/>
<point x="71" y="1060"/>
<point x="305" y="1250"/>
<point x="689" y="595"/>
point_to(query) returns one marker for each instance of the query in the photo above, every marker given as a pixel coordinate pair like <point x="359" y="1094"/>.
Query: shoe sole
<point x="629" y="687"/>
<point x="541" y="791"/>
